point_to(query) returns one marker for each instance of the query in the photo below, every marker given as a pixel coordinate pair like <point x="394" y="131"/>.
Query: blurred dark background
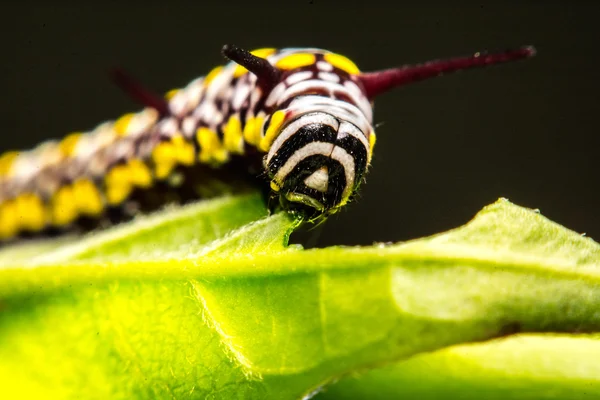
<point x="447" y="147"/>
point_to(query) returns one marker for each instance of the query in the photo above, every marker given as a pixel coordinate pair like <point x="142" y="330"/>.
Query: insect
<point x="306" y="112"/>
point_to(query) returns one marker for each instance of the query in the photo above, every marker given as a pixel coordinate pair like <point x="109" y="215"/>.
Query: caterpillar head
<point x="316" y="163"/>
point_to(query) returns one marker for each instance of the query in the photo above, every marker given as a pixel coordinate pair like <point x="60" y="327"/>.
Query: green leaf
<point x="521" y="367"/>
<point x="208" y="301"/>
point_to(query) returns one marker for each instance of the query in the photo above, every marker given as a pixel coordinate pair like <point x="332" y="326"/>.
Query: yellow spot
<point x="185" y="152"/>
<point x="87" y="197"/>
<point x="64" y="207"/>
<point x="139" y="173"/>
<point x="30" y="212"/>
<point x="274" y="186"/>
<point x="212" y="75"/>
<point x="67" y="145"/>
<point x="372" y="140"/>
<point x="252" y="130"/>
<point x="118" y="185"/>
<point x="262" y="53"/>
<point x="249" y="130"/>
<point x="232" y="135"/>
<point x="342" y="63"/>
<point x="122" y="124"/>
<point x="6" y="162"/>
<point x="272" y="131"/>
<point x="171" y="93"/>
<point x="121" y="180"/>
<point x="239" y="71"/>
<point x="117" y="194"/>
<point x="296" y="61"/>
<point x="167" y="155"/>
<point x="162" y="171"/>
<point x="9" y="222"/>
<point x="211" y="148"/>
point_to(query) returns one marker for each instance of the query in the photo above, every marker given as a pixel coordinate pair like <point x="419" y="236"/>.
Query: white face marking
<point x="292" y="128"/>
<point x="347" y="162"/>
<point x="305" y="86"/>
<point x="328" y="76"/>
<point x="310" y="149"/>
<point x="326" y="149"/>
<point x="346" y="128"/>
<point x="298" y="77"/>
<point x="319" y="180"/>
<point x="340" y="109"/>
<point x="331" y="88"/>
<point x="324" y="66"/>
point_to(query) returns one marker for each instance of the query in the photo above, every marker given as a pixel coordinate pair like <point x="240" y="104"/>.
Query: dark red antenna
<point x="138" y="92"/>
<point x="378" y="82"/>
<point x="268" y="76"/>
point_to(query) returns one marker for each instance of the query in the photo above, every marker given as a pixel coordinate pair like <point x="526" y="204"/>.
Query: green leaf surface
<point x="209" y="301"/>
<point x="523" y="367"/>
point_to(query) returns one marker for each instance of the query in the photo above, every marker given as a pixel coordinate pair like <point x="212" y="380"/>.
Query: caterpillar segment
<point x="306" y="112"/>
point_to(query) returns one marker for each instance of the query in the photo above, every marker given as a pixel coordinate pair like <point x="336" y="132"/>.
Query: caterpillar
<point x="306" y="112"/>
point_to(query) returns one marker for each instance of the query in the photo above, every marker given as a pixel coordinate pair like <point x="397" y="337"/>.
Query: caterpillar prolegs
<point x="305" y="112"/>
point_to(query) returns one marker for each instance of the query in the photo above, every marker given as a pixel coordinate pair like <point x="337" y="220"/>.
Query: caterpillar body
<point x="306" y="112"/>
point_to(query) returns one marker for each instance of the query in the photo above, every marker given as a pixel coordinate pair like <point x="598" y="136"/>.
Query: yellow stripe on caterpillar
<point x="167" y="155"/>
<point x="9" y="219"/>
<point x="30" y="212"/>
<point x="232" y="135"/>
<point x="118" y="186"/>
<point x="122" y="179"/>
<point x="211" y="148"/>
<point x="122" y="124"/>
<point x="63" y="206"/>
<point x="68" y="144"/>
<point x="272" y="131"/>
<point x="212" y="75"/>
<point x="253" y="130"/>
<point x="139" y="173"/>
<point x="372" y="140"/>
<point x="296" y="61"/>
<point x="87" y="197"/>
<point x="6" y="162"/>
<point x="342" y="63"/>
<point x="171" y="93"/>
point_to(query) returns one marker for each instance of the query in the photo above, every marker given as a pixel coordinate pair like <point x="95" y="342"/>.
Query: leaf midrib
<point x="297" y="262"/>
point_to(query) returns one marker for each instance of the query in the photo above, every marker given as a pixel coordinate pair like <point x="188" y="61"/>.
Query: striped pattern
<point x="314" y="129"/>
